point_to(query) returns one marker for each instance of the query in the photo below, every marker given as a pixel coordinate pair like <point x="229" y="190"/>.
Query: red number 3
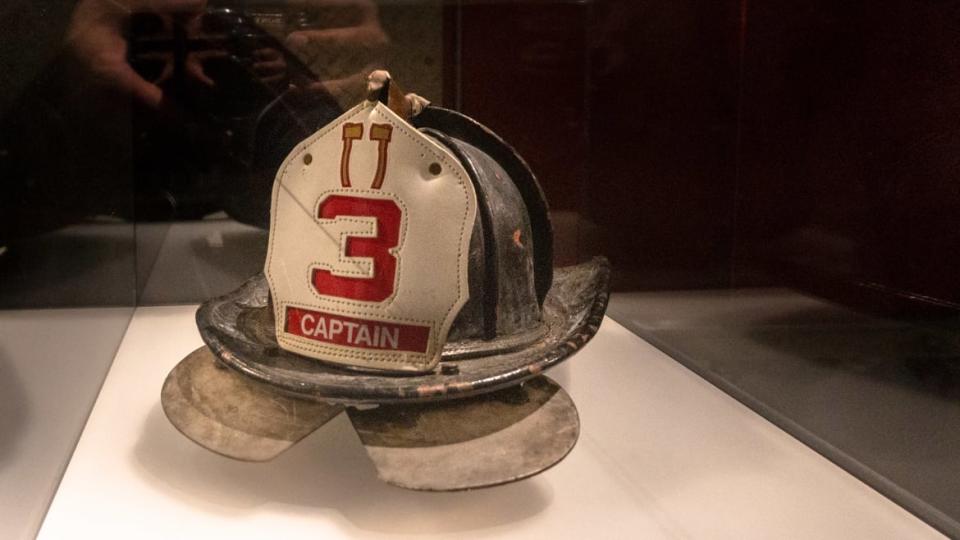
<point x="379" y="287"/>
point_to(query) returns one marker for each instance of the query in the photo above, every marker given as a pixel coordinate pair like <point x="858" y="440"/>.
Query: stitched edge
<point x="373" y="356"/>
<point x="394" y="251"/>
<point x="433" y="351"/>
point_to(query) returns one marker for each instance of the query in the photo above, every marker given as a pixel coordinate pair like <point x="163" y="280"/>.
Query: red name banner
<point x="359" y="333"/>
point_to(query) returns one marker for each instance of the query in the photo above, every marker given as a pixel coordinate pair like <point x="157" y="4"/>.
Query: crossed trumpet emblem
<point x="354" y="131"/>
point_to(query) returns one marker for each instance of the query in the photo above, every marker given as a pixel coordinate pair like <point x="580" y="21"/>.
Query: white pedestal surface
<point x="662" y="454"/>
<point x="52" y="362"/>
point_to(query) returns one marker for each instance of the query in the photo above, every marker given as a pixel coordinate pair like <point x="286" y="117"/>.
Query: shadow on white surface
<point x="328" y="471"/>
<point x="52" y="362"/>
<point x="14" y="411"/>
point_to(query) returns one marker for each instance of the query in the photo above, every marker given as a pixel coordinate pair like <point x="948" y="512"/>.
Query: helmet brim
<point x="239" y="330"/>
<point x="481" y="441"/>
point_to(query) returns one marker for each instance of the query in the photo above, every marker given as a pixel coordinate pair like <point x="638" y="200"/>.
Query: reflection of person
<point x="346" y="43"/>
<point x="121" y="123"/>
<point x="95" y="38"/>
<point x="342" y="41"/>
<point x="218" y="96"/>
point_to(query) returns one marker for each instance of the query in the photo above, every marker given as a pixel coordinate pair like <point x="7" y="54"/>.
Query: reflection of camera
<point x="223" y="150"/>
<point x="274" y="16"/>
<point x="69" y="150"/>
<point x="226" y="44"/>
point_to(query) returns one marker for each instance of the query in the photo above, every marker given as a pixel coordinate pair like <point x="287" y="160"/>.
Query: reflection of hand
<point x="269" y="65"/>
<point x="349" y="44"/>
<point x="95" y="37"/>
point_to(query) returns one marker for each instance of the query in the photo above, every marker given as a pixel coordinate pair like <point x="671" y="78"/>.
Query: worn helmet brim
<point x="480" y="441"/>
<point x="234" y="415"/>
<point x="239" y="330"/>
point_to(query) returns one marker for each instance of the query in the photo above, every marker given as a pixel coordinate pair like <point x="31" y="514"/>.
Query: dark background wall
<point x="67" y="237"/>
<point x="850" y="153"/>
<point x="663" y="101"/>
<point x="627" y="113"/>
<point x="813" y="144"/>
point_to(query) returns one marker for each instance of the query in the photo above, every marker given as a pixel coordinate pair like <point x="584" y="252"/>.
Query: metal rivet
<point x="449" y="369"/>
<point x="307" y="159"/>
<point x="435" y="168"/>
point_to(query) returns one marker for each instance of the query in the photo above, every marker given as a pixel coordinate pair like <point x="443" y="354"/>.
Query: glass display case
<point x="772" y="184"/>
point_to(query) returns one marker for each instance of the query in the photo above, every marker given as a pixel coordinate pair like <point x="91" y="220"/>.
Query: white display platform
<point x="52" y="362"/>
<point x="662" y="454"/>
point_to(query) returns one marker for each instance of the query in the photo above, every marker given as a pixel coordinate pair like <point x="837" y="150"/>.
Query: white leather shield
<point x="369" y="241"/>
